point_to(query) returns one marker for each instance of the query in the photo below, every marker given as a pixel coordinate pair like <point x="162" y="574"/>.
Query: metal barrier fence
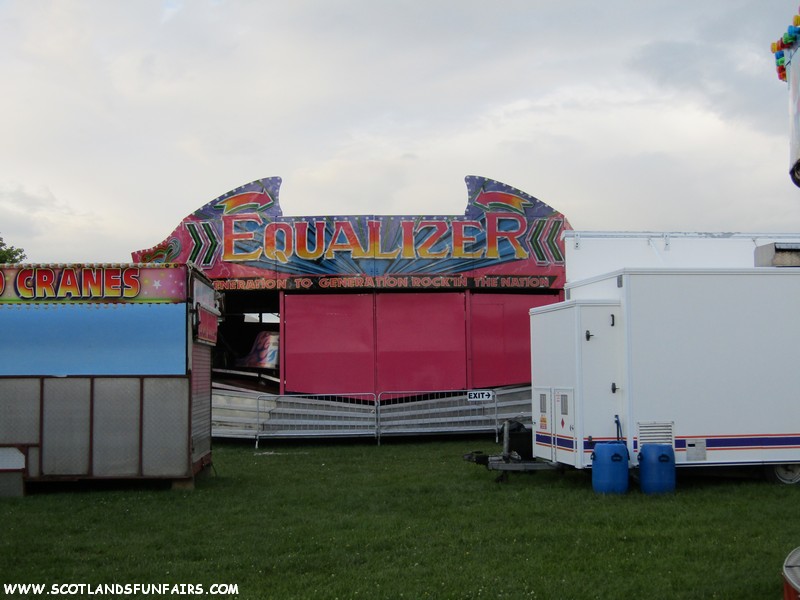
<point x="397" y="413"/>
<point x="419" y="412"/>
<point x="319" y="415"/>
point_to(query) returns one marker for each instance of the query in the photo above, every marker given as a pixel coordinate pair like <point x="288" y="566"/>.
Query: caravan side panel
<point x="713" y="356"/>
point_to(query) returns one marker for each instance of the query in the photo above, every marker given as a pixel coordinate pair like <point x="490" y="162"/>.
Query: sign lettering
<point x="92" y="283"/>
<point x="505" y="239"/>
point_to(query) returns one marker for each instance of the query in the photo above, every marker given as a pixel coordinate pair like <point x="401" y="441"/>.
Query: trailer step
<point x="509" y="462"/>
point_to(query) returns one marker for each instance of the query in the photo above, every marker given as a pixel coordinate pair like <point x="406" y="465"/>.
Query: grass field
<point x="405" y="520"/>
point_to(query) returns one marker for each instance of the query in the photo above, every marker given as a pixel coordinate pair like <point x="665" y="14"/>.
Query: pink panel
<point x="500" y="332"/>
<point x="421" y="341"/>
<point x="330" y="343"/>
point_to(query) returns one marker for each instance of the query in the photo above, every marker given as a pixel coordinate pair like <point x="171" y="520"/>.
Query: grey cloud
<point x="708" y="74"/>
<point x="141" y="112"/>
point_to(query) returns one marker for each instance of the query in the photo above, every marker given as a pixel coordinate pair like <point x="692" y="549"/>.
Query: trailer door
<point x="544" y="446"/>
<point x="564" y="426"/>
<point x="555" y="437"/>
<point x="602" y="393"/>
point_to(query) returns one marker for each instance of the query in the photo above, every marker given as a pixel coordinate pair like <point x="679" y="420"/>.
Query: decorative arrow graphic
<point x="248" y="201"/>
<point x="544" y="241"/>
<point x="203" y="238"/>
<point x="502" y="201"/>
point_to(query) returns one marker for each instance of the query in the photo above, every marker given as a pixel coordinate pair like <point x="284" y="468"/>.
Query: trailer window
<point x="564" y="404"/>
<point x="543" y="403"/>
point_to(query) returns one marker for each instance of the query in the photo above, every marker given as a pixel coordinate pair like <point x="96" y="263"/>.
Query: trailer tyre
<point x="788" y="474"/>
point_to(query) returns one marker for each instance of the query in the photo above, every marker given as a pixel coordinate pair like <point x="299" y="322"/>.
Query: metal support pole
<point x="378" y="419"/>
<point x="496" y="421"/>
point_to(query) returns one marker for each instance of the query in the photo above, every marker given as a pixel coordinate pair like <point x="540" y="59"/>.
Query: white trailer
<point x="702" y="359"/>
<point x="592" y="253"/>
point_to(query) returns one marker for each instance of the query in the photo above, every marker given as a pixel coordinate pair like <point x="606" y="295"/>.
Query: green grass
<point x="405" y="520"/>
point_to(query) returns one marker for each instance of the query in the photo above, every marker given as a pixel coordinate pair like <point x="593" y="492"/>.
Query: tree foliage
<point x="10" y="254"/>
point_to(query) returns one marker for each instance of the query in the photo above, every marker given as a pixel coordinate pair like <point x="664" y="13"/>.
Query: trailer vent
<point x="656" y="432"/>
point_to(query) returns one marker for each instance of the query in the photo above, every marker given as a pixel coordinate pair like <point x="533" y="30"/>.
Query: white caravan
<point x="703" y="359"/>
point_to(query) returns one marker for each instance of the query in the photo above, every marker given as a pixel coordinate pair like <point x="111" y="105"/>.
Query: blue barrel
<point x="610" y="468"/>
<point x="657" y="469"/>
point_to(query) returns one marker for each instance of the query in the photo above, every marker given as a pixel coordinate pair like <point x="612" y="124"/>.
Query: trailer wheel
<point x="788" y="474"/>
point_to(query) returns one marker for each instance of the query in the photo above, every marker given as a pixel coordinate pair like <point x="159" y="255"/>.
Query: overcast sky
<point x="119" y="118"/>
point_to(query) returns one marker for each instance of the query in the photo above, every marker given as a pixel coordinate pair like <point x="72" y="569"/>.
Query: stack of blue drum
<point x="610" y="468"/>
